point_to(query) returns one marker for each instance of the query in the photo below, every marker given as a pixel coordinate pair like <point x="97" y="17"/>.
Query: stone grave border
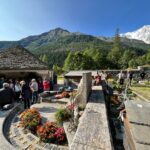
<point x="11" y="143"/>
<point x="5" y="144"/>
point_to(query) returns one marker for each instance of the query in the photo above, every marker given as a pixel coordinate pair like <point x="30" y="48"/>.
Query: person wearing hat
<point x="34" y="89"/>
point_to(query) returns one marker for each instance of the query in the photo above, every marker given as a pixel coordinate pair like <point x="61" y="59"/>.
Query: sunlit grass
<point x="60" y="78"/>
<point x="143" y="91"/>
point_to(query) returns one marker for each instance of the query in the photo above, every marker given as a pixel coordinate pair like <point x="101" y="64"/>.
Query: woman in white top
<point x="103" y="77"/>
<point x="17" y="90"/>
<point x="121" y="77"/>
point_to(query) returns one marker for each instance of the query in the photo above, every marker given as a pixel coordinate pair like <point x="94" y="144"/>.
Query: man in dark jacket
<point x="142" y="75"/>
<point x="26" y="94"/>
<point x="6" y="95"/>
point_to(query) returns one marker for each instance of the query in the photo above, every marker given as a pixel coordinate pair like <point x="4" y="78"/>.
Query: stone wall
<point x="76" y="75"/>
<point x="84" y="89"/>
<point x="93" y="129"/>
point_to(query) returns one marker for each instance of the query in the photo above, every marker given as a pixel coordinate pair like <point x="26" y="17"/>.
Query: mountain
<point x="33" y="42"/>
<point x="57" y="39"/>
<point x="142" y="34"/>
<point x="56" y="44"/>
<point x="63" y="37"/>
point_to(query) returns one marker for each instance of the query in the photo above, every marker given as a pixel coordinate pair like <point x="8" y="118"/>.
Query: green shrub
<point x="118" y="88"/>
<point x="129" y="91"/>
<point x="62" y="114"/>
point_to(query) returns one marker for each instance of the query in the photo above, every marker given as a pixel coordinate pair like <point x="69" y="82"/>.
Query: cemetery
<point x="78" y="114"/>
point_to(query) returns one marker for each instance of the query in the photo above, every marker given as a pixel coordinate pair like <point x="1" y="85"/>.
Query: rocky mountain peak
<point x="142" y="34"/>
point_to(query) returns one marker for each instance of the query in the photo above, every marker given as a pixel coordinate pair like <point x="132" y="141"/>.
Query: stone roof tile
<point x="19" y="58"/>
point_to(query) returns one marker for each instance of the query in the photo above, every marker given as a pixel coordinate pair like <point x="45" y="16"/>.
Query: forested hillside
<point x="58" y="45"/>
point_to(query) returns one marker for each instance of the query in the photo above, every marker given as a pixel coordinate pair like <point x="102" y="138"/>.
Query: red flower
<point x="60" y="135"/>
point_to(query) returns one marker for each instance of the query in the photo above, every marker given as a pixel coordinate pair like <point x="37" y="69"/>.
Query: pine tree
<point x="45" y="58"/>
<point x="114" y="55"/>
<point x="68" y="62"/>
<point x="117" y="40"/>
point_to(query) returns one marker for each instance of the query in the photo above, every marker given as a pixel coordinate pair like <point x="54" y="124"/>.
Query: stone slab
<point x="70" y="135"/>
<point x="93" y="129"/>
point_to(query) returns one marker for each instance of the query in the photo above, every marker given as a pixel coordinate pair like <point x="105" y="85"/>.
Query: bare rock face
<point x="20" y="58"/>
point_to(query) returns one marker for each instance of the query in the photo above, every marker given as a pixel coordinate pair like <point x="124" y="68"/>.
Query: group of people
<point x="103" y="76"/>
<point x="129" y="77"/>
<point x="100" y="78"/>
<point x="121" y="77"/>
<point x="27" y="91"/>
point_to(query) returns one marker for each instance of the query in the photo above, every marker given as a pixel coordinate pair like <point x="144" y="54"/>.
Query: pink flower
<point x="71" y="106"/>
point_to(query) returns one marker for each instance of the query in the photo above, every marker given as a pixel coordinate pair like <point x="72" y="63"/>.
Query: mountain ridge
<point x="142" y="34"/>
<point x="36" y="41"/>
<point x="56" y="44"/>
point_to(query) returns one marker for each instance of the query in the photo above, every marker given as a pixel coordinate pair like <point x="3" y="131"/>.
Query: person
<point x="129" y="77"/>
<point x="51" y="84"/>
<point x="40" y="86"/>
<point x="1" y="82"/>
<point x="25" y="94"/>
<point x="34" y="89"/>
<point x="142" y="75"/>
<point x="17" y="90"/>
<point x="54" y="78"/>
<point x="6" y="95"/>
<point x="11" y="85"/>
<point x="121" y="78"/>
<point x="97" y="79"/>
<point x="46" y="85"/>
<point x="103" y="77"/>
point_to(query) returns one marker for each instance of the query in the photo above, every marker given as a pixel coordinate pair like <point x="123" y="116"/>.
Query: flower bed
<point x="65" y="94"/>
<point x="48" y="132"/>
<point x="51" y="133"/>
<point x="30" y="119"/>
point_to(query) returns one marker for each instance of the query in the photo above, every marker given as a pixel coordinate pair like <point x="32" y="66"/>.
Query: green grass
<point x="143" y="91"/>
<point x="60" y="78"/>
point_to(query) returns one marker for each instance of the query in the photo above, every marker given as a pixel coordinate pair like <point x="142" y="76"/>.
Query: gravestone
<point x="83" y="92"/>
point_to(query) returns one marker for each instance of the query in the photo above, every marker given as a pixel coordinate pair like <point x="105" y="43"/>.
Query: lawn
<point x="60" y="79"/>
<point x="143" y="91"/>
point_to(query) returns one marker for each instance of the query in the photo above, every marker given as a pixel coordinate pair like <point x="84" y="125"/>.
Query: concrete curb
<point x="5" y="123"/>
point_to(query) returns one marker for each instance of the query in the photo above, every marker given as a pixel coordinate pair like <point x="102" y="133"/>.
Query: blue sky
<point x="21" y="18"/>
